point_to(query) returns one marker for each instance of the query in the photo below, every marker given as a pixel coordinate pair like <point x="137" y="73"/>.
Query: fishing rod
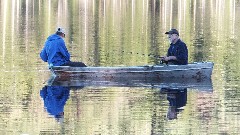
<point x="152" y="55"/>
<point x="148" y="55"/>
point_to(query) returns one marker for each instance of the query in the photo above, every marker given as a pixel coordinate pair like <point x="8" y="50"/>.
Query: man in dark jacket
<point x="177" y="52"/>
<point x="55" y="51"/>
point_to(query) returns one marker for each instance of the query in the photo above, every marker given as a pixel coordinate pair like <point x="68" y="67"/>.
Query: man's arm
<point x="182" y="54"/>
<point x="64" y="51"/>
<point x="43" y="55"/>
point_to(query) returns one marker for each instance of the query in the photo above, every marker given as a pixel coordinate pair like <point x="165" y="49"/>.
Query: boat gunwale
<point x="137" y="69"/>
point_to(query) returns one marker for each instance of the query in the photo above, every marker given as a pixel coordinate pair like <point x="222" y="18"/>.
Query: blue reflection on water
<point x="55" y="97"/>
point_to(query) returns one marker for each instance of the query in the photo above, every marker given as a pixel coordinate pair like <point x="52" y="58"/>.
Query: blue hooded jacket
<point x="55" y="51"/>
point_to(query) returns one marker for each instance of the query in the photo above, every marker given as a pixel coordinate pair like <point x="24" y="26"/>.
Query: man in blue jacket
<point x="55" y="51"/>
<point x="177" y="52"/>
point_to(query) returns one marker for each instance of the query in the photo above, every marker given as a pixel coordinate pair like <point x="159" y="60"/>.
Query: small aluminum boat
<point x="197" y="71"/>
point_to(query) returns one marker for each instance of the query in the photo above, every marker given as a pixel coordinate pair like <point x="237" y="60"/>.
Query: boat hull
<point x="197" y="71"/>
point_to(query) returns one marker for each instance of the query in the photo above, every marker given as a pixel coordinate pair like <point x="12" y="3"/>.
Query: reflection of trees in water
<point x="205" y="108"/>
<point x="76" y="107"/>
<point x="158" y="113"/>
<point x="167" y="104"/>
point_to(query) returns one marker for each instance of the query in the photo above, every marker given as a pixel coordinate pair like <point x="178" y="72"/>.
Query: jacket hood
<point x="53" y="37"/>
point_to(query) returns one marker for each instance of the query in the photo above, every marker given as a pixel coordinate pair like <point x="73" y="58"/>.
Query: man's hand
<point x="167" y="58"/>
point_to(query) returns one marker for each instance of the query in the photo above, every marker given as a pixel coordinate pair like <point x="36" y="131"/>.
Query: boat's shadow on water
<point x="78" y="82"/>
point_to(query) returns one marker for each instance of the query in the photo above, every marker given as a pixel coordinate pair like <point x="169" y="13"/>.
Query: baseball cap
<point x="59" y="29"/>
<point x="172" y="31"/>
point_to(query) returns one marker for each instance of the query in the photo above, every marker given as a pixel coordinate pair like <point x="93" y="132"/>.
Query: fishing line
<point x="157" y="57"/>
<point x="150" y="55"/>
<point x="147" y="55"/>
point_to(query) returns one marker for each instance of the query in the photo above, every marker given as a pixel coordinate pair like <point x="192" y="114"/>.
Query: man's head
<point x="60" y="31"/>
<point x="173" y="35"/>
<point x="171" y="114"/>
<point x="59" y="117"/>
<point x="172" y="31"/>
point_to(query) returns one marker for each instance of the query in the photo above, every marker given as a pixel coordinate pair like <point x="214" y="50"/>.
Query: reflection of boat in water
<point x="204" y="85"/>
<point x="197" y="71"/>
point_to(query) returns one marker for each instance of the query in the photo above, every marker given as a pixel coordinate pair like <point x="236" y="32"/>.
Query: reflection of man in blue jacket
<point x="55" y="51"/>
<point x="55" y="98"/>
<point x="177" y="52"/>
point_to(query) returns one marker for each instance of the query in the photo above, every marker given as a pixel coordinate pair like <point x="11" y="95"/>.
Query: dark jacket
<point x="55" y="51"/>
<point x="180" y="98"/>
<point x="180" y="51"/>
<point x="55" y="98"/>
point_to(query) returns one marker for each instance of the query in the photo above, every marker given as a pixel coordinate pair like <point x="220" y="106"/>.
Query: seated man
<point x="177" y="52"/>
<point x="55" y="51"/>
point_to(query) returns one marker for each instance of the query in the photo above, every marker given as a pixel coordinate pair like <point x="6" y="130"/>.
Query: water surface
<point x="118" y="33"/>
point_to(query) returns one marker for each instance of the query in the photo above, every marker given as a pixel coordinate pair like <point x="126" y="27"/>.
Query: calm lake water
<point x="118" y="33"/>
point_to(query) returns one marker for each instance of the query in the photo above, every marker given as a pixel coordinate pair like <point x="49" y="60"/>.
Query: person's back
<point x="55" y="51"/>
